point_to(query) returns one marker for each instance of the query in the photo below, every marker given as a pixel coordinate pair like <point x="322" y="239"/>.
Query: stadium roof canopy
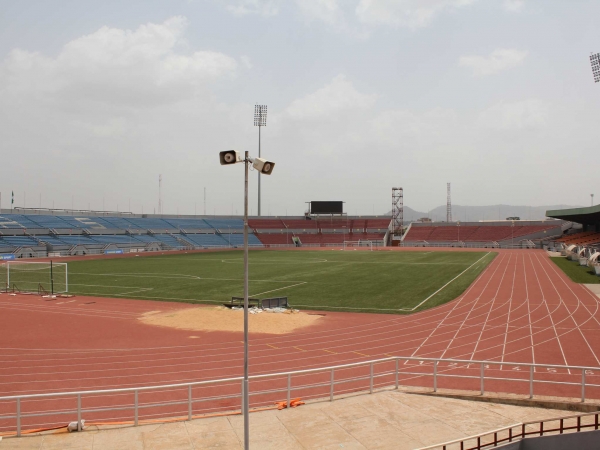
<point x="585" y="216"/>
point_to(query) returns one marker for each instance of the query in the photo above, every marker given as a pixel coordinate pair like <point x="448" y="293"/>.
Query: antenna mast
<point x="160" y="194"/>
<point x="448" y="206"/>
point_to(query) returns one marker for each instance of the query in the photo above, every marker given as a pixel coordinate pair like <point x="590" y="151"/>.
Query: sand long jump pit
<point x="220" y="318"/>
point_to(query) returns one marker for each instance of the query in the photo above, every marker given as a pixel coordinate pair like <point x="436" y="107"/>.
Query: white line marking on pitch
<point x="279" y="289"/>
<point x="172" y="276"/>
<point x="457" y="276"/>
<point x="137" y="290"/>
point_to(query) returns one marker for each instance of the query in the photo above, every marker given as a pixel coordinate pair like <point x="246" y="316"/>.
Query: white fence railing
<point x="187" y="400"/>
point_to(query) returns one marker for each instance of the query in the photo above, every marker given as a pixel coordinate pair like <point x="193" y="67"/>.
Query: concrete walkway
<point x="384" y="420"/>
<point x="595" y="288"/>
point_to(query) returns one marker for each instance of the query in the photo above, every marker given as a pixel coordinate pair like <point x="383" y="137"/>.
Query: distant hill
<point x="477" y="213"/>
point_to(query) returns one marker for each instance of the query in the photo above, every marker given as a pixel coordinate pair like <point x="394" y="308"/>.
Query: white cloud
<point x="265" y="8"/>
<point x="405" y="13"/>
<point x="523" y="115"/>
<point x="499" y="60"/>
<point x="338" y="97"/>
<point x="111" y="105"/>
<point x="112" y="66"/>
<point x="514" y="5"/>
<point x="327" y="11"/>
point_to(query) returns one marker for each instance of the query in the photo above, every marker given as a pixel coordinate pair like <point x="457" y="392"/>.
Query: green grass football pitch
<point x="394" y="282"/>
<point x="577" y="273"/>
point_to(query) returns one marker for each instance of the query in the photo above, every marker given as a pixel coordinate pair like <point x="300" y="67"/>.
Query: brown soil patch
<point x="223" y="319"/>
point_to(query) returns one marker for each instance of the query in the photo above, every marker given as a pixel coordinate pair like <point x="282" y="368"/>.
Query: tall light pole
<point x="592" y="195"/>
<point x="266" y="167"/>
<point x="512" y="235"/>
<point x="260" y="120"/>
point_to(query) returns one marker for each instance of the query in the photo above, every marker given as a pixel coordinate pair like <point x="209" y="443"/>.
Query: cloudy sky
<point x="495" y="96"/>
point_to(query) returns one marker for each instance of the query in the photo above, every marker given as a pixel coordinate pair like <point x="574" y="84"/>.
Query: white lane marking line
<point x="471" y="310"/>
<point x="487" y="318"/>
<point x="529" y="313"/>
<point x="542" y="329"/>
<point x="512" y="292"/>
<point x="549" y="314"/>
<point x="451" y="311"/>
<point x="572" y="314"/>
<point x="435" y="353"/>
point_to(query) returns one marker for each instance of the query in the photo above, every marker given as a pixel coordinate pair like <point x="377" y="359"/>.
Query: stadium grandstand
<point x="46" y="233"/>
<point x="582" y="242"/>
<point x="588" y="221"/>
<point x="496" y="234"/>
<point x="40" y="233"/>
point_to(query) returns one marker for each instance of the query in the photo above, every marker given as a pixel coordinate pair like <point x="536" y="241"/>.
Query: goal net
<point x="34" y="277"/>
<point x="358" y="244"/>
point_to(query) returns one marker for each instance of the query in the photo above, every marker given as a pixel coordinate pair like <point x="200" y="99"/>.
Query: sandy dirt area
<point x="220" y="318"/>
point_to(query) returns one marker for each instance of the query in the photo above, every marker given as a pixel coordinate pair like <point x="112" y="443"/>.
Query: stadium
<point x="486" y="311"/>
<point x="353" y="322"/>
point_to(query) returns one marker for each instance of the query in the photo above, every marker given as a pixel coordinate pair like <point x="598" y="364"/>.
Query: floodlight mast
<point x="595" y="61"/>
<point x="260" y="120"/>
<point x="266" y="167"/>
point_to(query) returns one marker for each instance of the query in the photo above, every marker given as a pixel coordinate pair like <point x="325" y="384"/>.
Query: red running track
<point x="521" y="309"/>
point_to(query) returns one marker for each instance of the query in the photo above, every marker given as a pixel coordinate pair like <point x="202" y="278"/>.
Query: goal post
<point x="358" y="244"/>
<point x="34" y="277"/>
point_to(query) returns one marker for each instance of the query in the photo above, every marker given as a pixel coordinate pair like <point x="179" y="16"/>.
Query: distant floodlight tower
<point x="397" y="211"/>
<point x="260" y="120"/>
<point x="595" y="60"/>
<point x="448" y="206"/>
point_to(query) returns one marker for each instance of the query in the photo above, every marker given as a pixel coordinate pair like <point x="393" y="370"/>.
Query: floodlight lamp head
<point x="595" y="61"/>
<point x="263" y="166"/>
<point x="260" y="115"/>
<point x="229" y="157"/>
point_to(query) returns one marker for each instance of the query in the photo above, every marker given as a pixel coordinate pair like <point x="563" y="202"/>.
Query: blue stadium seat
<point x="151" y="224"/>
<point x="169" y="240"/>
<point x="16" y="221"/>
<point x="225" y="224"/>
<point x="20" y="241"/>
<point x="206" y="240"/>
<point x="77" y="239"/>
<point x="145" y="238"/>
<point x="238" y="239"/>
<point x="48" y="221"/>
<point x="195" y="224"/>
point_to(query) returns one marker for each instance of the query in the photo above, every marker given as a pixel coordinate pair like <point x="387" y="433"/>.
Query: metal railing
<point x="184" y="400"/>
<point x="462" y="244"/>
<point x="535" y="428"/>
